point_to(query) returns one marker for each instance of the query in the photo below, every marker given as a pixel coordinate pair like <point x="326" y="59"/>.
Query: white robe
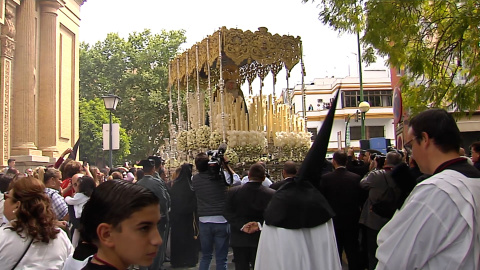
<point x="313" y="248"/>
<point x="437" y="227"/>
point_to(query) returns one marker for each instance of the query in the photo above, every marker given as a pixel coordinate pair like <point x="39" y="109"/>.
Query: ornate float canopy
<point x="245" y="55"/>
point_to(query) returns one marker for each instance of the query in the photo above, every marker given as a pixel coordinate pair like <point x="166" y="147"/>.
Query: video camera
<point x="216" y="164"/>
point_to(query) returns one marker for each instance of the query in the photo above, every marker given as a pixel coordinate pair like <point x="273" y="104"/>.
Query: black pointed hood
<point x="298" y="203"/>
<point x="312" y="165"/>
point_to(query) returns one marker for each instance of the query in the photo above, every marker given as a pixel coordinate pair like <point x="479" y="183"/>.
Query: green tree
<point x="135" y="69"/>
<point x="436" y="42"/>
<point x="92" y="117"/>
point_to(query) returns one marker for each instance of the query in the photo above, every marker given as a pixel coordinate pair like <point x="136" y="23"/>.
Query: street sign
<point x="115" y="137"/>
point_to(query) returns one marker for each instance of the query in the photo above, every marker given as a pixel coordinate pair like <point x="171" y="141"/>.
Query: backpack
<point x="386" y="205"/>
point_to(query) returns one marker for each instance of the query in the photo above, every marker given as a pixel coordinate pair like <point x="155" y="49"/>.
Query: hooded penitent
<point x="298" y="204"/>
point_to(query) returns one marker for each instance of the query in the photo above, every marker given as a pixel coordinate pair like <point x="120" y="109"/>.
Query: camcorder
<point x="216" y="164"/>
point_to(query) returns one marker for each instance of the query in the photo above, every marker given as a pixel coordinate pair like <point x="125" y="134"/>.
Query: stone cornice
<point x="51" y="6"/>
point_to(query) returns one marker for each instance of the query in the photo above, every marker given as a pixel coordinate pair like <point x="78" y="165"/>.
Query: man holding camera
<point x="377" y="183"/>
<point x="214" y="229"/>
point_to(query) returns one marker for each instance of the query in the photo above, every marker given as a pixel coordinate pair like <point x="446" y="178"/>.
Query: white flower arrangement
<point x="248" y="144"/>
<point x="191" y="139"/>
<point x="232" y="156"/>
<point x="215" y="140"/>
<point x="202" y="137"/>
<point x="182" y="144"/>
<point x="292" y="145"/>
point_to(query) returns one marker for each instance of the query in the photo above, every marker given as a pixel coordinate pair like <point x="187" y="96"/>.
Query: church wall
<point x="50" y="124"/>
<point x="68" y="62"/>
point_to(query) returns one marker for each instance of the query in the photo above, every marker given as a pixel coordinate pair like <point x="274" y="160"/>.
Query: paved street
<point x="231" y="265"/>
<point x="212" y="265"/>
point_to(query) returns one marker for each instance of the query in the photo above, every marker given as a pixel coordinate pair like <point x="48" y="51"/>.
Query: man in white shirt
<point x="266" y="183"/>
<point x="438" y="225"/>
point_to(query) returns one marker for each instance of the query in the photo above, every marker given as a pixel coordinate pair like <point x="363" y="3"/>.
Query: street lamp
<point x="111" y="102"/>
<point x="363" y="107"/>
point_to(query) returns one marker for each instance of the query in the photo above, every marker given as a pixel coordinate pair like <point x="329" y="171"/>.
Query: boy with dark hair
<point x="121" y="220"/>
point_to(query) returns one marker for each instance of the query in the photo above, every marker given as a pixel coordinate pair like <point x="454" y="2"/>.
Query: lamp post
<point x="111" y="102"/>
<point x="363" y="107"/>
<point x="366" y="105"/>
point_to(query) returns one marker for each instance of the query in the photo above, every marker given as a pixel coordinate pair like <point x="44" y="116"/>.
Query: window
<point x="376" y="98"/>
<point x="314" y="133"/>
<point x="375" y="132"/>
<point x="370" y="132"/>
<point x="355" y="133"/>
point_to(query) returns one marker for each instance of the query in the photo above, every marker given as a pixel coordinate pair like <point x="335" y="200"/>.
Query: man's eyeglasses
<point x="408" y="146"/>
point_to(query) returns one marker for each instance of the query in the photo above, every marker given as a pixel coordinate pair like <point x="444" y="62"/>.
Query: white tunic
<point x="313" y="248"/>
<point x="40" y="256"/>
<point x="437" y="227"/>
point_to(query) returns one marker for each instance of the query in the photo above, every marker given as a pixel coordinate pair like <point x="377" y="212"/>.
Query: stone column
<point x="23" y="96"/>
<point x="7" y="41"/>
<point x="47" y="94"/>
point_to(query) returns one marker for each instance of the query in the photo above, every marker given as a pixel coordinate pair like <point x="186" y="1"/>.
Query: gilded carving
<point x="251" y="53"/>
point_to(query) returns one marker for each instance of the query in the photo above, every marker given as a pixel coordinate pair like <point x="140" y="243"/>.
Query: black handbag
<point x="23" y="255"/>
<point x="387" y="203"/>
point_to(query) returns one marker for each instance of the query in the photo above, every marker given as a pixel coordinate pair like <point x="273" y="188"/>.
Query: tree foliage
<point x="436" y="42"/>
<point x="135" y="69"/>
<point x="92" y="116"/>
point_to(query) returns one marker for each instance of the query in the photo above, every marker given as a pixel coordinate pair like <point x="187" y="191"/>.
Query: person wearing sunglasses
<point x="437" y="226"/>
<point x="30" y="239"/>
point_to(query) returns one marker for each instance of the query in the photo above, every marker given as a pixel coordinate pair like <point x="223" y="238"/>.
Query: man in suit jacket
<point x="289" y="171"/>
<point x="342" y="190"/>
<point x="244" y="211"/>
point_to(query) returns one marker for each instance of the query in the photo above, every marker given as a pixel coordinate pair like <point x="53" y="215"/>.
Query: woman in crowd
<point x="184" y="228"/>
<point x="52" y="179"/>
<point x="83" y="191"/>
<point x="69" y="168"/>
<point x="30" y="238"/>
<point x="96" y="174"/>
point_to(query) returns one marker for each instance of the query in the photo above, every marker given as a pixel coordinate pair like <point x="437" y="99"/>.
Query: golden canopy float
<point x="205" y="80"/>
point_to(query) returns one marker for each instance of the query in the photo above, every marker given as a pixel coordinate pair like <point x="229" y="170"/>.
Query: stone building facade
<point x="39" y="75"/>
<point x="377" y="91"/>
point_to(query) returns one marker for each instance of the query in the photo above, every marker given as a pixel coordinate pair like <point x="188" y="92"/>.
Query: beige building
<point x="319" y="94"/>
<point x="39" y="65"/>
